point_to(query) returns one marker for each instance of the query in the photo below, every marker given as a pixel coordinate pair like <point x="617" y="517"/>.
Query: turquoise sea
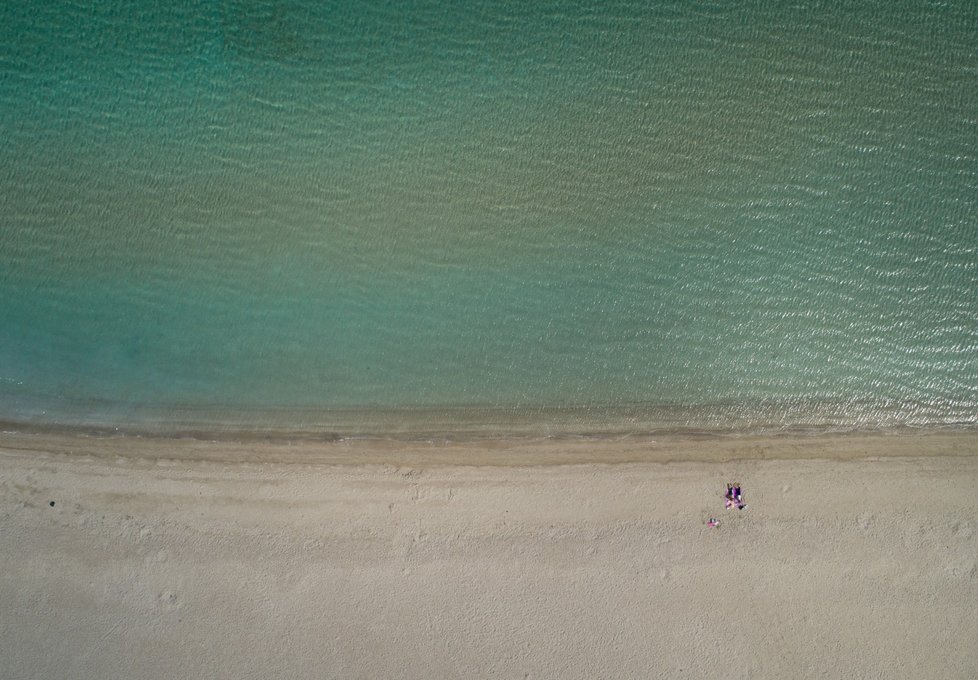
<point x="535" y="217"/>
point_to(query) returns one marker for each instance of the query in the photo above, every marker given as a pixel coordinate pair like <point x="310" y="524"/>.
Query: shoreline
<point x="475" y="422"/>
<point x="499" y="451"/>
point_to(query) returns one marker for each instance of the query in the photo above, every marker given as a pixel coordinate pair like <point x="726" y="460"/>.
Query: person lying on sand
<point x="734" y="497"/>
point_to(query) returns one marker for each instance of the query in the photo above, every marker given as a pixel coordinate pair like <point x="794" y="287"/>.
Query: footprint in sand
<point x="167" y="599"/>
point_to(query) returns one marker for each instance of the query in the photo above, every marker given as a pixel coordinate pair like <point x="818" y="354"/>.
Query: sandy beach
<point x="150" y="558"/>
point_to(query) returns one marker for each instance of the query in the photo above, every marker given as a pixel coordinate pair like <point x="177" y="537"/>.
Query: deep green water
<point x="544" y="216"/>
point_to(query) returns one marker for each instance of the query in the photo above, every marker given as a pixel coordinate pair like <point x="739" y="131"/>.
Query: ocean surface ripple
<point x="542" y="217"/>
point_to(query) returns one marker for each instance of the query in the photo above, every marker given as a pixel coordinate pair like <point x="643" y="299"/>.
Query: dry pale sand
<point x="163" y="559"/>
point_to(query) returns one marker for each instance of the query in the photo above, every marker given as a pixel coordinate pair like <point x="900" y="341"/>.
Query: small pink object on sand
<point x="713" y="522"/>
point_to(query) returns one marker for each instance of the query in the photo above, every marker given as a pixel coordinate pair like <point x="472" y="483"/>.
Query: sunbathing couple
<point x="734" y="498"/>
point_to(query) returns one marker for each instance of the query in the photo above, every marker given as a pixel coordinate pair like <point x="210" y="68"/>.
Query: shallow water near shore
<point x="549" y="218"/>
